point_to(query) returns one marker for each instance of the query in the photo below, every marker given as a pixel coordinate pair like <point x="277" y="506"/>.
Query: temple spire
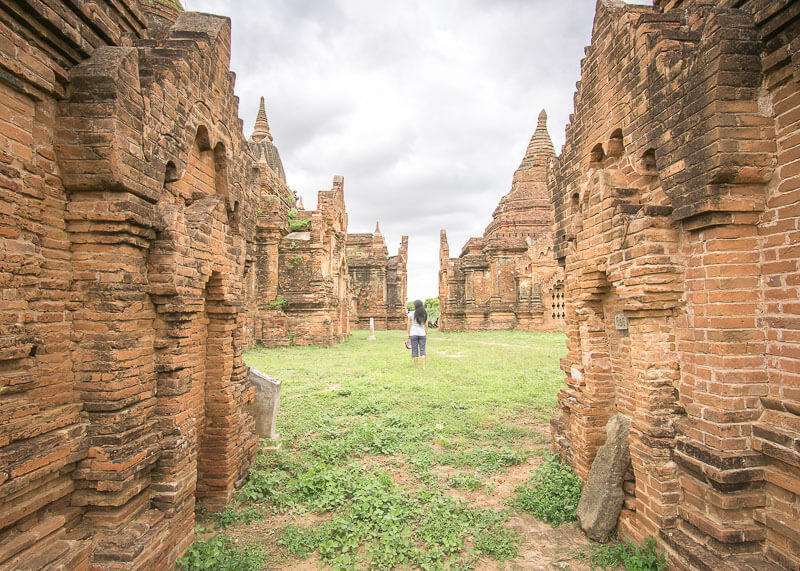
<point x="261" y="128"/>
<point x="540" y="141"/>
<point x="377" y="228"/>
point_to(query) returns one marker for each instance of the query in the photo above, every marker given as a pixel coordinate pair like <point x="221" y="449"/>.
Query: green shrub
<point x="551" y="495"/>
<point x="295" y="225"/>
<point x="221" y="553"/>
<point x="279" y="303"/>
<point x="627" y="554"/>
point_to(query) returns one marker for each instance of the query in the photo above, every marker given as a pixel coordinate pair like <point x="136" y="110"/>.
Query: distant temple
<point x="509" y="277"/>
<point x="379" y="281"/>
<point x="262" y="147"/>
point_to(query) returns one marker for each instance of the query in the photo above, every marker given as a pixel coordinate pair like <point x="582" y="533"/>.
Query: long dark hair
<point x="420" y="315"/>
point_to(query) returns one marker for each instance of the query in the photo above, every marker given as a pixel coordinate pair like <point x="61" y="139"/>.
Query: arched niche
<point x="205" y="172"/>
<point x="615" y="145"/>
<point x="597" y="154"/>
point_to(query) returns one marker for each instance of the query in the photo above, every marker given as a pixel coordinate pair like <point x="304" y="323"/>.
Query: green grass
<point x="378" y="449"/>
<point x="496" y="376"/>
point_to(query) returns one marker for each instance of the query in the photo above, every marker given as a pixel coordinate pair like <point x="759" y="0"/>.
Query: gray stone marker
<point x="602" y="495"/>
<point x="371" y="329"/>
<point x="265" y="406"/>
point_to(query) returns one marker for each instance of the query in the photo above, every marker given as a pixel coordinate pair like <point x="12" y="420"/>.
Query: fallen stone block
<point x="603" y="496"/>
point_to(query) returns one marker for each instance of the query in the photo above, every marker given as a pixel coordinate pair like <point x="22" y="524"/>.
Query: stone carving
<point x="379" y="281"/>
<point x="508" y="278"/>
<point x="602" y="495"/>
<point x="675" y="206"/>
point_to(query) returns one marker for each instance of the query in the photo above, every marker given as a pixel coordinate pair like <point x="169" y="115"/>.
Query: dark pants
<point x="418" y="345"/>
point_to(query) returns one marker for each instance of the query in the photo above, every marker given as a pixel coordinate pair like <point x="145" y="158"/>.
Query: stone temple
<point x="262" y="146"/>
<point x="508" y="278"/>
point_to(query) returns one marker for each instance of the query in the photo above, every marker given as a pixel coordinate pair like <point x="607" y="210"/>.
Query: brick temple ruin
<point x="146" y="242"/>
<point x="142" y="237"/>
<point x="677" y="201"/>
<point x="312" y="278"/>
<point x="508" y="278"/>
<point x="379" y="282"/>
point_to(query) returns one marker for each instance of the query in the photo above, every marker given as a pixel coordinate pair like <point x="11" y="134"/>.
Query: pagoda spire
<point x="377" y="228"/>
<point x="540" y="141"/>
<point x="261" y="128"/>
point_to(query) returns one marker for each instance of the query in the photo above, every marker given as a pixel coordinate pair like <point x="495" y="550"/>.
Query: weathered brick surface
<point x="676" y="204"/>
<point x="134" y="221"/>
<point x="508" y="278"/>
<point x="312" y="296"/>
<point x="378" y="281"/>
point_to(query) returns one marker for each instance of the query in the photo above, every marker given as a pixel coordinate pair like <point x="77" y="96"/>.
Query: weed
<point x="278" y="303"/>
<point x="486" y="460"/>
<point x="492" y="539"/>
<point x="464" y="481"/>
<point x="201" y="511"/>
<point x="295" y="225"/>
<point x="551" y="495"/>
<point x="300" y="541"/>
<point x="231" y="516"/>
<point x="626" y="553"/>
<point x="221" y="552"/>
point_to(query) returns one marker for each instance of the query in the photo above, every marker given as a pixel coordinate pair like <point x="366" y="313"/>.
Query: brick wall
<point x="312" y="286"/>
<point x="674" y="223"/>
<point x="134" y="221"/>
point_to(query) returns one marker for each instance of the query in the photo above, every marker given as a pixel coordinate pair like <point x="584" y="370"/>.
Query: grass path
<point x="386" y="467"/>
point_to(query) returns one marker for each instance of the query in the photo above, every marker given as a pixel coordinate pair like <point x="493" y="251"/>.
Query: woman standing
<point x="418" y="332"/>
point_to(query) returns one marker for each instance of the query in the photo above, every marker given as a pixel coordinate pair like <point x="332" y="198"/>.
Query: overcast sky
<point x="425" y="107"/>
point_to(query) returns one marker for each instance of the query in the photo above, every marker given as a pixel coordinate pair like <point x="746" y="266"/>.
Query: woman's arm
<point x="409" y="326"/>
<point x="426" y="328"/>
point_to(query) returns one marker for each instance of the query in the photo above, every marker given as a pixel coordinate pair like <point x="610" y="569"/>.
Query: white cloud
<point x="425" y="107"/>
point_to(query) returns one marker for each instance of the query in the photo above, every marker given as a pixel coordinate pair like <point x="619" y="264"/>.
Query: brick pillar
<point x="216" y="459"/>
<point x="594" y="401"/>
<point x="723" y="379"/>
<point x="267" y="265"/>
<point x="653" y="395"/>
<point x="114" y="362"/>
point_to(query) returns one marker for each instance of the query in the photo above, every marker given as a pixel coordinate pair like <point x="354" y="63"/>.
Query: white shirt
<point x="416" y="328"/>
